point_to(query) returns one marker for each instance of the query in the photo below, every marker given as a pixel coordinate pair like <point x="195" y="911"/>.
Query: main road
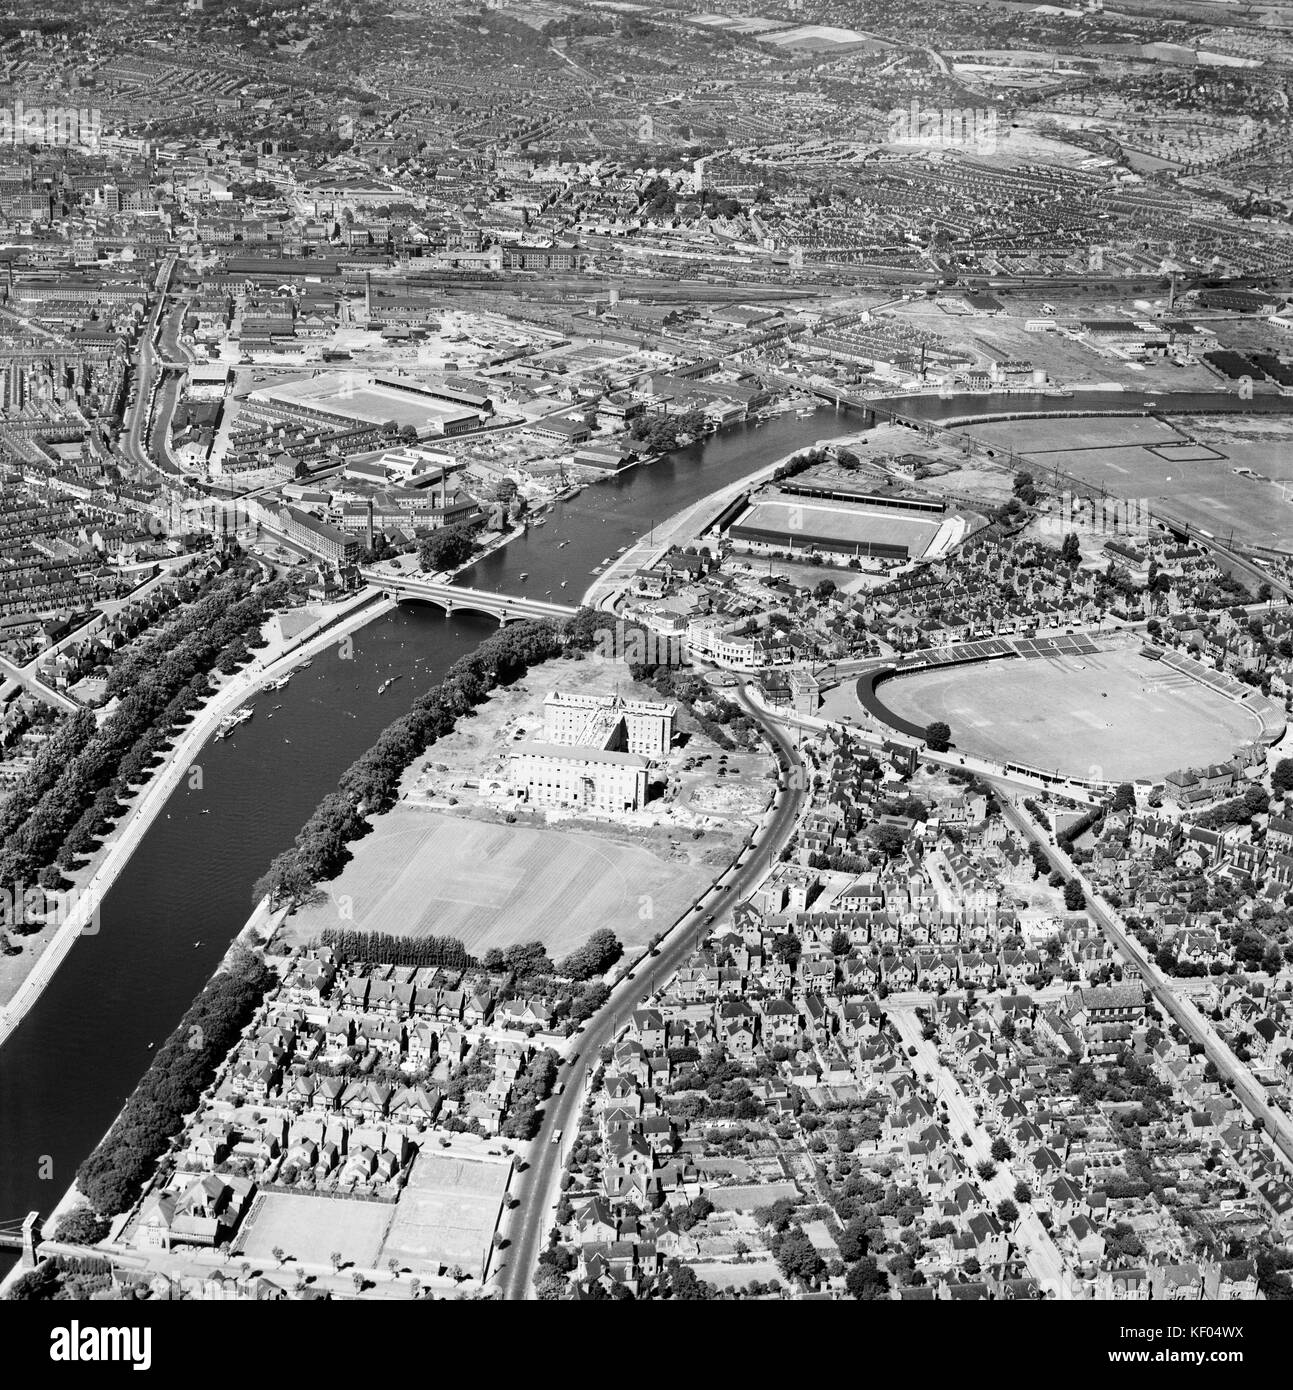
<point x="537" y="1186"/>
<point x="1181" y="1009"/>
<point x="134" y="439"/>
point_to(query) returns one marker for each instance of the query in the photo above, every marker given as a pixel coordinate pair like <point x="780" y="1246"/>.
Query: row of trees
<point x="46" y="768"/>
<point x="75" y="1278"/>
<point x="370" y="785"/>
<point x="388" y="948"/>
<point x="110" y="1178"/>
<point x="201" y="629"/>
<point x="1240" y="811"/>
<point x="1088" y="820"/>
<point x="532" y="1088"/>
<point x="158" y="686"/>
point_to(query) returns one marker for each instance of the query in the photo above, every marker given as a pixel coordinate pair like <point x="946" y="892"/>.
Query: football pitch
<point x="1111" y="716"/>
<point x="1149" y="461"/>
<point x="421" y="873"/>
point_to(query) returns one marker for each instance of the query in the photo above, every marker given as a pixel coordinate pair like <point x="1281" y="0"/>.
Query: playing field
<point x="421" y="873"/>
<point x="1111" y="716"/>
<point x="1075" y="432"/>
<point x="1147" y="460"/>
<point x="447" y="1213"/>
<point x="309" y="1229"/>
<point x="800" y="523"/>
<point x="353" y="394"/>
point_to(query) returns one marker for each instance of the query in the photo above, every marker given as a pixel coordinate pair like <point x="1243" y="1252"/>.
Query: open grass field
<point x="1067" y="434"/>
<point x="355" y="395"/>
<point x="1116" y="711"/>
<point x="446" y="1214"/>
<point x="850" y="524"/>
<point x="1205" y="492"/>
<point x="422" y="873"/>
<point x="1196" y="481"/>
<point x="1186" y="453"/>
<point x="309" y="1229"/>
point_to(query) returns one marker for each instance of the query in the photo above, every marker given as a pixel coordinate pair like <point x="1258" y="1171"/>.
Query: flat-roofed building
<point x="595" y="752"/>
<point x="593" y="720"/>
<point x="593" y="779"/>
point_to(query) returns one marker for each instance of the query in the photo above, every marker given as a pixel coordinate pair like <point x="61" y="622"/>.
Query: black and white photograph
<point x="646" y="654"/>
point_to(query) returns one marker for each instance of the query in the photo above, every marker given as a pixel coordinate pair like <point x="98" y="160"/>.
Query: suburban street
<point x="536" y="1188"/>
<point x="1247" y="1089"/>
<point x="1045" y="1262"/>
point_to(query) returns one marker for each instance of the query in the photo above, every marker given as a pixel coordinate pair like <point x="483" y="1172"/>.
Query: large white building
<point x="591" y="779"/>
<point x="595" y="752"/>
<point x="609" y="721"/>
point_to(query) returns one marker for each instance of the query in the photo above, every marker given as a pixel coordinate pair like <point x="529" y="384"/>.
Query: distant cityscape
<point x="767" y="547"/>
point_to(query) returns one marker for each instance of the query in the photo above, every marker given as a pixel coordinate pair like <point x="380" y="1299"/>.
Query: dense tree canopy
<point x="939" y="736"/>
<point x="594" y="957"/>
<point x="447" y="548"/>
<point x="110" y="1178"/>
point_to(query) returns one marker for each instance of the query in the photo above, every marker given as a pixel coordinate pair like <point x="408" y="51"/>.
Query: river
<point x="186" y="891"/>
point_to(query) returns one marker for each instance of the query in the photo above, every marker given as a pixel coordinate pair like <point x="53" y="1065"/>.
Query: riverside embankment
<point x="185" y="891"/>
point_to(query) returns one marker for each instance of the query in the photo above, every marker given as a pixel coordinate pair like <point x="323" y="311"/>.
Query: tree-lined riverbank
<point x="183" y="895"/>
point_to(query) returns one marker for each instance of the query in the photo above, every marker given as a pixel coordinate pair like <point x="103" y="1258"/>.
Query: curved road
<point x="536" y="1186"/>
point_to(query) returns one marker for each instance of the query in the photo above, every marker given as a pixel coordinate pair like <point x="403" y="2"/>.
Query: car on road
<point x="556" y="1136"/>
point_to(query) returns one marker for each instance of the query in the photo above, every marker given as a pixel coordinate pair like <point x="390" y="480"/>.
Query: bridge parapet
<point x="23" y="1236"/>
<point x="506" y="608"/>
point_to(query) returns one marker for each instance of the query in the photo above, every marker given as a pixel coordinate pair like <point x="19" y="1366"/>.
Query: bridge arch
<point x="507" y="608"/>
<point x="502" y="612"/>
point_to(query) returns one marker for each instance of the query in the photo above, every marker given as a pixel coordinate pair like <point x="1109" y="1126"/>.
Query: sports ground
<point x="799" y="521"/>
<point x="445" y="1216"/>
<point x="421" y="873"/>
<point x="1110" y="716"/>
<point x="1185" y="470"/>
<point x="308" y="1229"/>
<point x="447" y="1213"/>
<point x="357" y="396"/>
